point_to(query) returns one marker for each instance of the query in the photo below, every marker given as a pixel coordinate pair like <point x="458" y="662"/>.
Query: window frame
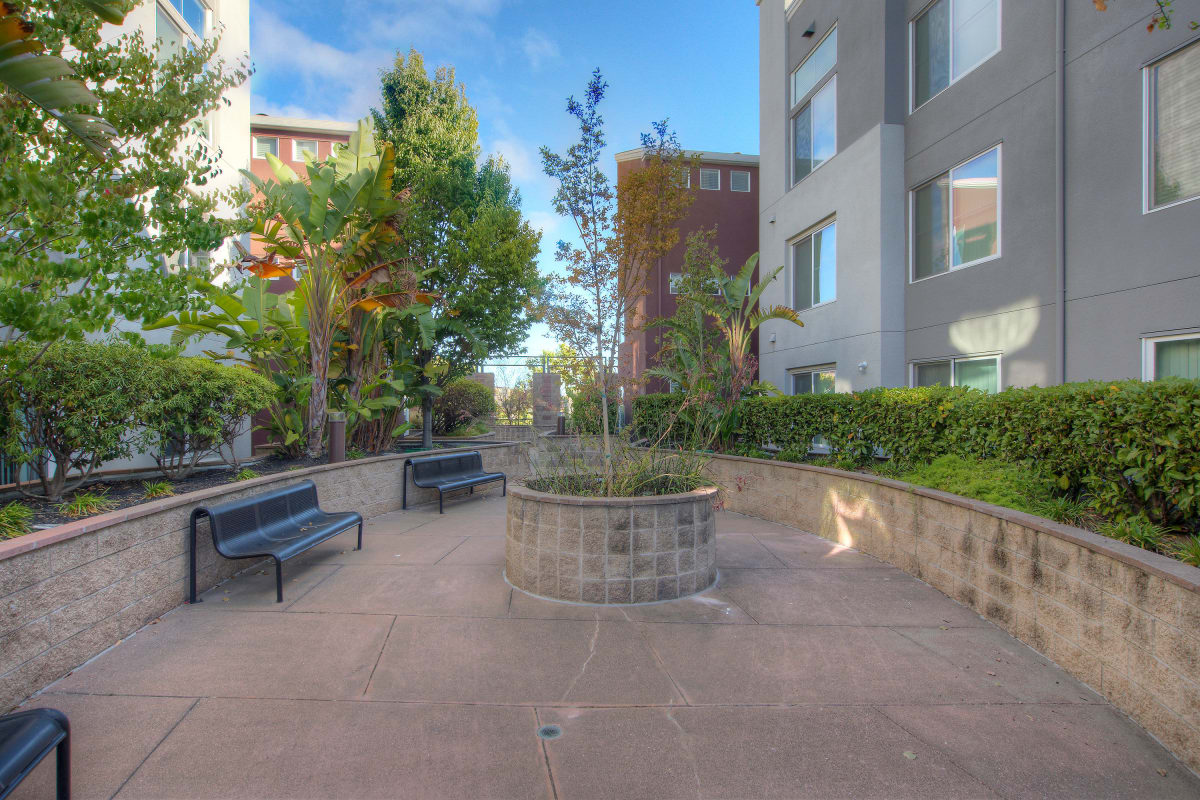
<point x="184" y="27"/>
<point x="672" y="277"/>
<point x="1147" y="141"/>
<point x="254" y="147"/>
<point x="1149" y="354"/>
<point x="912" y="33"/>
<point x="749" y="187"/>
<point x="997" y="356"/>
<point x="296" y="153"/>
<point x="686" y="174"/>
<point x="791" y="246"/>
<point x="701" y="185"/>
<point x="806" y="100"/>
<point x="795" y="372"/>
<point x="912" y="219"/>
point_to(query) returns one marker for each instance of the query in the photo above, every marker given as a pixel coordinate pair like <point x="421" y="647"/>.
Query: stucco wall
<point x="70" y="592"/>
<point x="1123" y="620"/>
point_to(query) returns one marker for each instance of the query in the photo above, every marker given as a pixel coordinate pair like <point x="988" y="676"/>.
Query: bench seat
<point x="280" y="525"/>
<point x="27" y="737"/>
<point x="449" y="472"/>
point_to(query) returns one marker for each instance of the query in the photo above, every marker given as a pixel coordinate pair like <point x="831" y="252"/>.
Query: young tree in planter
<point x="620" y="236"/>
<point x="463" y="225"/>
<point x="338" y="230"/>
<point x="92" y="210"/>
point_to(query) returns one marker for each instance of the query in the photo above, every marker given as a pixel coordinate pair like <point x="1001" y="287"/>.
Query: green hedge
<point x="463" y="401"/>
<point x="1132" y="446"/>
<point x="584" y="417"/>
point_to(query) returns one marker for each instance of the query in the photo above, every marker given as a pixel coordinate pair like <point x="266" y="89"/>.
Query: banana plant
<point x="49" y="82"/>
<point x="334" y="229"/>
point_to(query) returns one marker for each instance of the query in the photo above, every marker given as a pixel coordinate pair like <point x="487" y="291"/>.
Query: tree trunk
<point x="426" y="421"/>
<point x="318" y="397"/>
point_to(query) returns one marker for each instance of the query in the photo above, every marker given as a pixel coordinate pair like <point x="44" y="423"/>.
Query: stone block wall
<point x="70" y="592"/>
<point x="1123" y="620"/>
<point x="611" y="550"/>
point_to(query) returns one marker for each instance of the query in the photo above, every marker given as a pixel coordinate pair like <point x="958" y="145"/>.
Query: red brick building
<point x="725" y="187"/>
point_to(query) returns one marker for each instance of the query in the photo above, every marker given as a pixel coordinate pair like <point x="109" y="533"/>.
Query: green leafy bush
<point x="72" y="410"/>
<point x="1137" y="531"/>
<point x="153" y="490"/>
<point x="15" y="519"/>
<point x="245" y="474"/>
<point x="199" y="407"/>
<point x="86" y="504"/>
<point x="1187" y="551"/>
<point x="462" y="401"/>
<point x="1132" y="447"/>
<point x="584" y="417"/>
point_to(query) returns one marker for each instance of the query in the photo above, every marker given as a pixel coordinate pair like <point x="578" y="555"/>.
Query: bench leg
<point x="441" y="508"/>
<point x="192" y="598"/>
<point x="504" y="487"/>
<point x="278" y="581"/>
<point x="63" y="771"/>
<point x="359" y="536"/>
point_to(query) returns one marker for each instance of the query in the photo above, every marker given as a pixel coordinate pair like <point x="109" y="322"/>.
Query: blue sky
<point x="695" y="63"/>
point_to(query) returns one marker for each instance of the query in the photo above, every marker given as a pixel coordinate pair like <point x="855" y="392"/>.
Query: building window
<point x="816" y="65"/>
<point x="302" y="146"/>
<point x="982" y="373"/>
<point x="739" y="181"/>
<point x="1173" y="128"/>
<point x="949" y="39"/>
<point x="1171" y="357"/>
<point x="266" y="144"/>
<point x="673" y="282"/>
<point x="685" y="178"/>
<point x="710" y="178"/>
<point x="814" y="268"/>
<point x="814" y="125"/>
<point x="814" y="380"/>
<point x="194" y="14"/>
<point x="956" y="217"/>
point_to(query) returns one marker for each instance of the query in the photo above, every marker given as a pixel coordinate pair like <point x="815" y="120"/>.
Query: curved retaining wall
<point x="67" y="593"/>
<point x="1123" y="620"/>
<point x="614" y="550"/>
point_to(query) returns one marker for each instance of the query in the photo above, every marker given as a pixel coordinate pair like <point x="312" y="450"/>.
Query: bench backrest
<point x="279" y="510"/>
<point x="439" y="468"/>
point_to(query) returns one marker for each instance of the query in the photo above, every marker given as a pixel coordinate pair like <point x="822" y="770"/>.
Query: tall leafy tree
<point x="621" y="234"/>
<point x="463" y="225"/>
<point x="87" y="205"/>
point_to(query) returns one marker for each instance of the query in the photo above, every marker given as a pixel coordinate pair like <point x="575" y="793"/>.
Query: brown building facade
<point x="725" y="191"/>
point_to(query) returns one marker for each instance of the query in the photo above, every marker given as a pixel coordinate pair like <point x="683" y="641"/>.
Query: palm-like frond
<point x="49" y="82"/>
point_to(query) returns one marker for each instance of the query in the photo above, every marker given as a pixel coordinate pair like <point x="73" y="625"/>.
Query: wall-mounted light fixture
<point x="772" y="219"/>
<point x="862" y="366"/>
<point x="812" y="30"/>
<point x="771" y="338"/>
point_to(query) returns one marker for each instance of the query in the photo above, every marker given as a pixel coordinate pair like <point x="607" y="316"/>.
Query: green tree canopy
<point x="463" y="225"/>
<point x="80" y="230"/>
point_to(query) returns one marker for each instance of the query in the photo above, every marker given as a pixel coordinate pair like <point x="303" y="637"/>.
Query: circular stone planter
<point x="610" y="550"/>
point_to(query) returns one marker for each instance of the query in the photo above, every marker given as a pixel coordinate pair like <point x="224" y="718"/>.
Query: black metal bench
<point x="449" y="472"/>
<point x="27" y="737"/>
<point x="280" y="524"/>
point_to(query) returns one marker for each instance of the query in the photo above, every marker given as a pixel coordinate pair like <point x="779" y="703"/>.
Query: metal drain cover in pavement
<point x="549" y="732"/>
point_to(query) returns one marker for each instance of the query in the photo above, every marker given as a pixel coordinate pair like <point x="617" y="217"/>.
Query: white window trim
<point x="912" y="97"/>
<point x="671" y="278"/>
<point x="254" y="147"/>
<point x="1147" y="161"/>
<point x="792" y="131"/>
<point x="181" y="23"/>
<point x="912" y="264"/>
<point x="1148" y="354"/>
<point x="792" y="372"/>
<point x="746" y="172"/>
<point x="998" y="356"/>
<point x="791" y="284"/>
<point x="687" y="177"/>
<point x="798" y="102"/>
<point x="710" y="169"/>
<point x="296" y="153"/>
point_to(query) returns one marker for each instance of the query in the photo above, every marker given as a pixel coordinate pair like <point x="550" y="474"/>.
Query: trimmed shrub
<point x="990" y="480"/>
<point x="1132" y="447"/>
<point x="584" y="418"/>
<point x="199" y="407"/>
<point x="462" y="401"/>
<point x="72" y="409"/>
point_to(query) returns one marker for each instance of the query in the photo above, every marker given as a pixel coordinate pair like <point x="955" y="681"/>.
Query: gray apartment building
<point x="987" y="193"/>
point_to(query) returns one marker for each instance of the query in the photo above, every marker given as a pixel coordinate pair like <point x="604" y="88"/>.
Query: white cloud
<point x="548" y="223"/>
<point x="538" y="48"/>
